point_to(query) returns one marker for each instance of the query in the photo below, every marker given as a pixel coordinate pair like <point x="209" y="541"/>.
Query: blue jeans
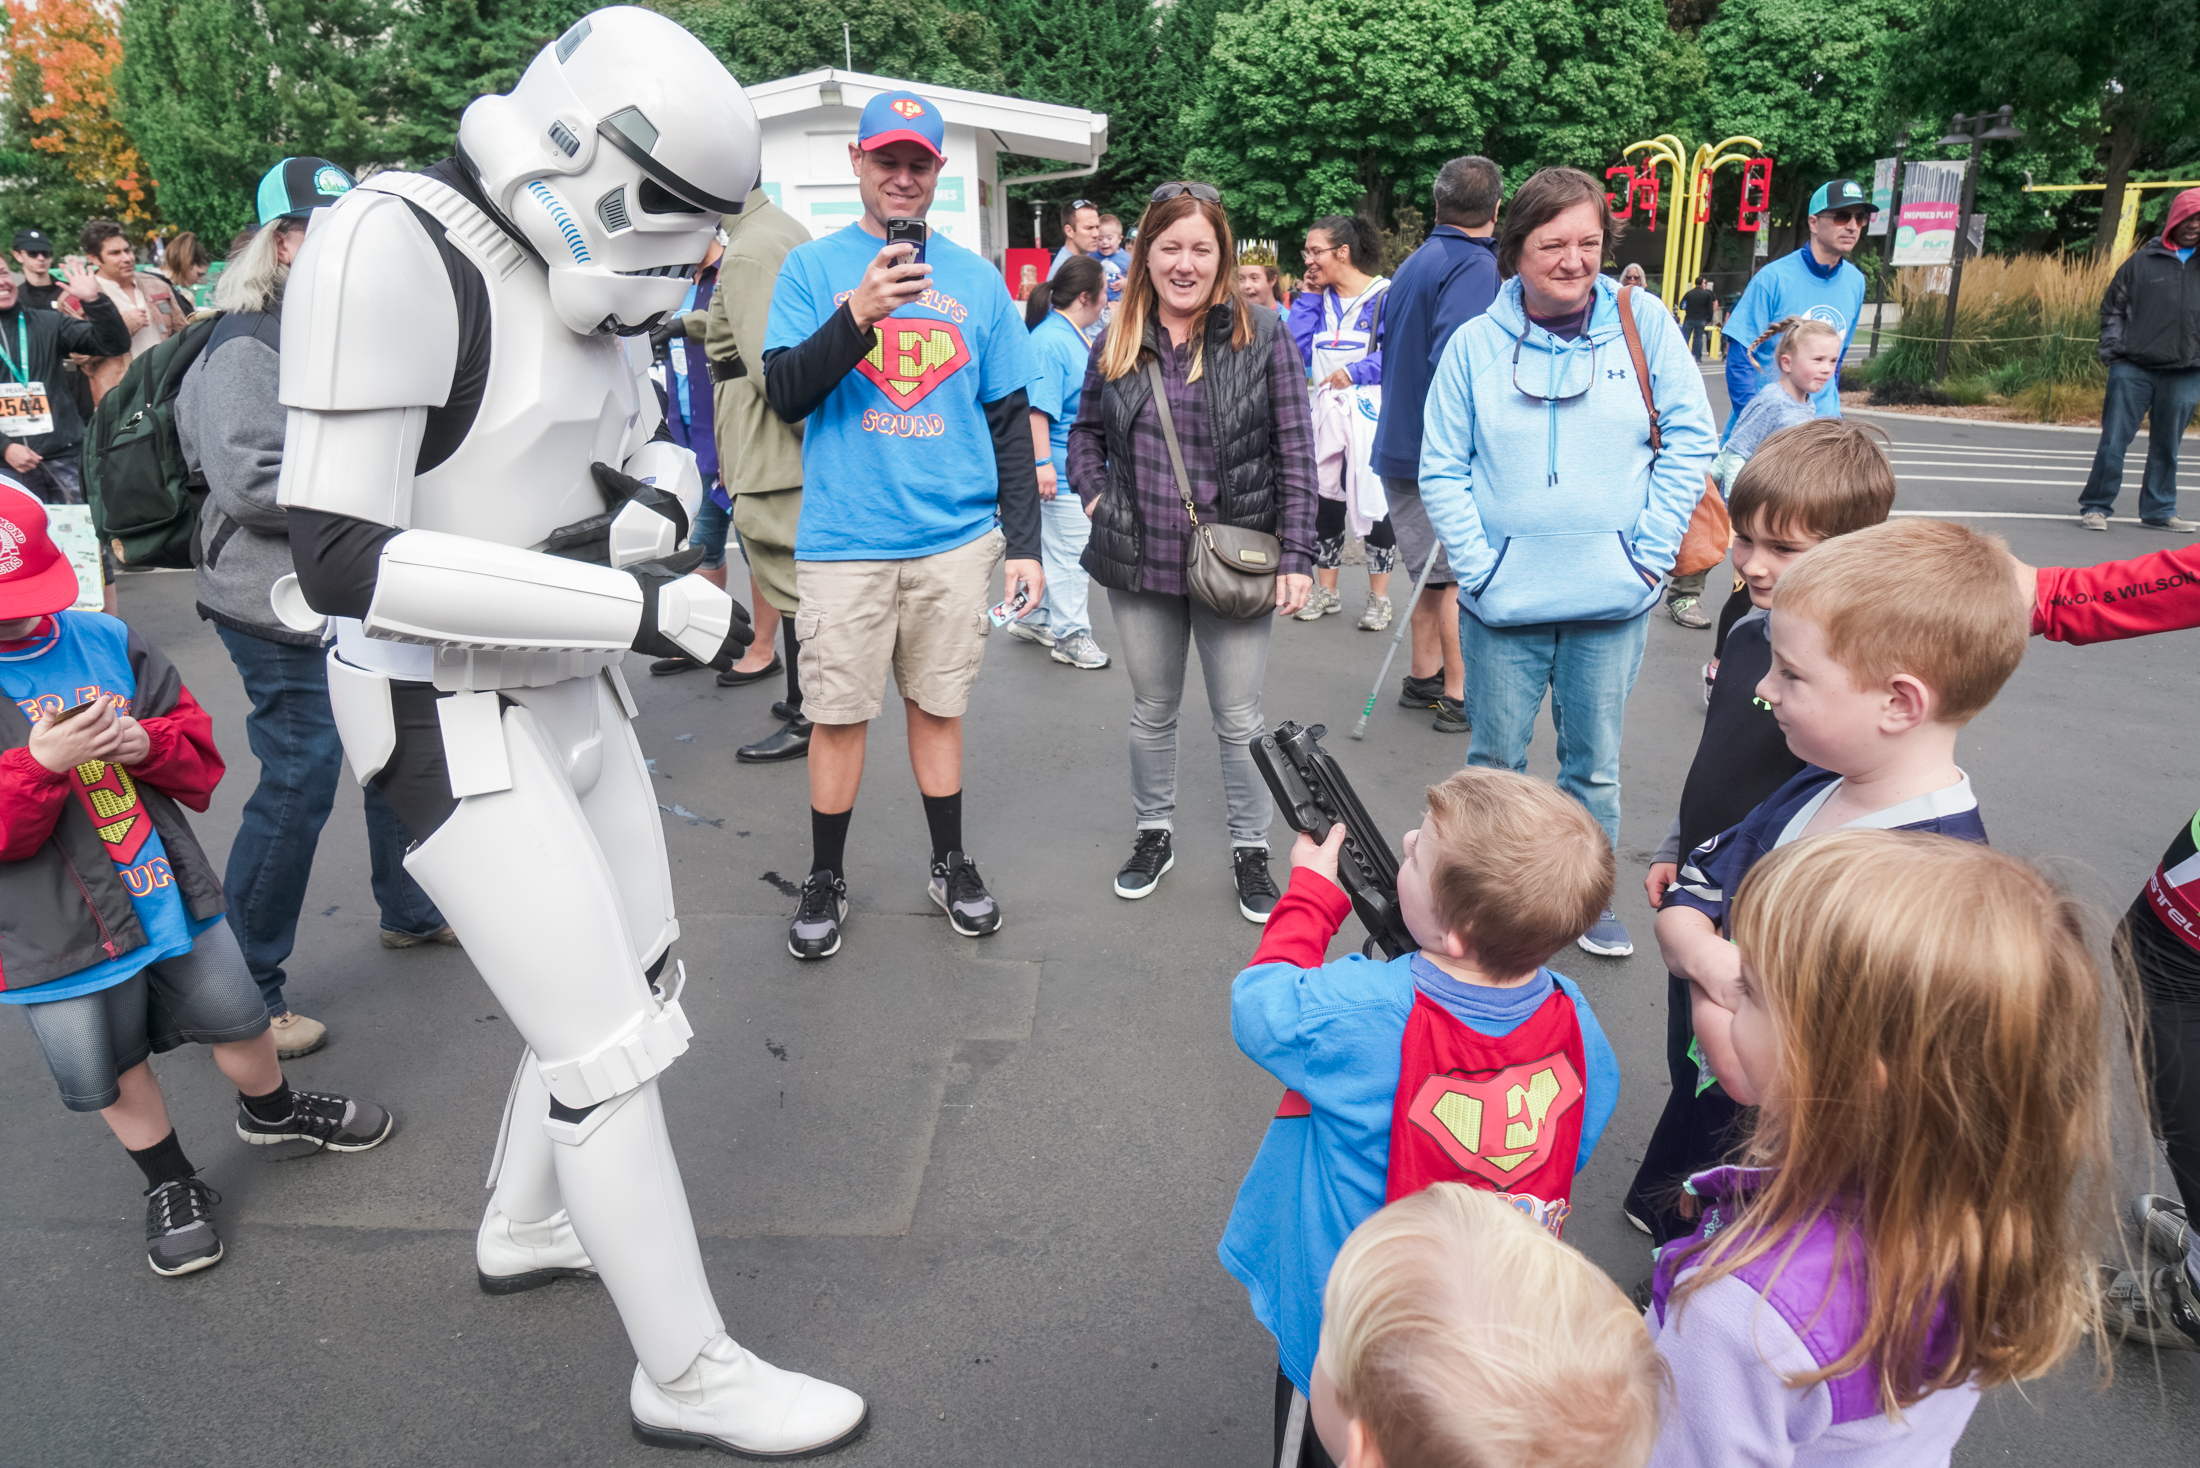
<point x="293" y="736"/>
<point x="711" y="523"/>
<point x="2168" y="397"/>
<point x="1064" y="527"/>
<point x="1589" y="669"/>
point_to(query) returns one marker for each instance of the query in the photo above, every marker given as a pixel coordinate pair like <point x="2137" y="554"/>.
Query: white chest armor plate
<point x="553" y="404"/>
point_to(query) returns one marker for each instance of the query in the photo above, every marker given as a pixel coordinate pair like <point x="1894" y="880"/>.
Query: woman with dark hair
<point x="1338" y="325"/>
<point x="1560" y="494"/>
<point x="1232" y="402"/>
<point x="1064" y="318"/>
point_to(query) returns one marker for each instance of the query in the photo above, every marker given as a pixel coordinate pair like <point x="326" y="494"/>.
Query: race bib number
<point x="24" y="409"/>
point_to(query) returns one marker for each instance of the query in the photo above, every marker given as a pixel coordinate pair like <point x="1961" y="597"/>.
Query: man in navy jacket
<point x="1451" y="279"/>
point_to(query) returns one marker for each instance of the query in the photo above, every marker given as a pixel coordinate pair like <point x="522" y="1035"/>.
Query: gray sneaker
<point x="1080" y="651"/>
<point x="2155" y="1307"/>
<point x="1688" y="611"/>
<point x="815" y="931"/>
<point x="960" y="892"/>
<point x="2164" y="1225"/>
<point x="1035" y="633"/>
<point x="1451" y="716"/>
<point x="331" y="1123"/>
<point x="2181" y="526"/>
<point x="2093" y="520"/>
<point x="1608" y="938"/>
<point x="179" y="1227"/>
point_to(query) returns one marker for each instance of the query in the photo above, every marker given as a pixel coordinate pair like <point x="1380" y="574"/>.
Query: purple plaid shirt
<point x="1160" y="505"/>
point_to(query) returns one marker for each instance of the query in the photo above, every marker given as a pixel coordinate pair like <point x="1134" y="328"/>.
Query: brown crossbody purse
<point x="1710" y="532"/>
<point x="1231" y="571"/>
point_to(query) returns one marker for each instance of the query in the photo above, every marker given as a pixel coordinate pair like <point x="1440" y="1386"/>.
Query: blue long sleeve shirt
<point x="1443" y="285"/>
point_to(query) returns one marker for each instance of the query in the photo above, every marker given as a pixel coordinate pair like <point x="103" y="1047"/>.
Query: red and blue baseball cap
<point x="35" y="577"/>
<point x="901" y="117"/>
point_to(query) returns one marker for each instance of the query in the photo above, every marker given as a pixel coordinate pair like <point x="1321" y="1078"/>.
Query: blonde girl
<point x="1920" y="1031"/>
<point x="1808" y="354"/>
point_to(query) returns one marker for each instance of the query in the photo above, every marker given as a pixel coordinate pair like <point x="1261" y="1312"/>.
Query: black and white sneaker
<point x="179" y="1227"/>
<point x="815" y="931"/>
<point x="2162" y="1221"/>
<point x="2156" y="1306"/>
<point x="1607" y="937"/>
<point x="1256" y="890"/>
<point x="1152" y="854"/>
<point x="960" y="892"/>
<point x="331" y="1123"/>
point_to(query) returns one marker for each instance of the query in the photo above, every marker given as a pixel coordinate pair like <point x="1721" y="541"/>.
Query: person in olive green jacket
<point x="760" y="457"/>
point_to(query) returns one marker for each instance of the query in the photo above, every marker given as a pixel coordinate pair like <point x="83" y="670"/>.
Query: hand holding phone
<point x="907" y="231"/>
<point x="893" y="280"/>
<point x="1011" y="610"/>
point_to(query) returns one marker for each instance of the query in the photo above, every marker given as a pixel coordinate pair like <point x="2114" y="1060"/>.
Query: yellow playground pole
<point x="1692" y="179"/>
<point x="1670" y="151"/>
<point x="2127" y="219"/>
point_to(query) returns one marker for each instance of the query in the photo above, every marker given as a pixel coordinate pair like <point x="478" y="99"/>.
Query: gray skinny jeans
<point x="1153" y="632"/>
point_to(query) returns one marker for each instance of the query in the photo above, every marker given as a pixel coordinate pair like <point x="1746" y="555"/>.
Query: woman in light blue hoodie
<point x="1557" y="515"/>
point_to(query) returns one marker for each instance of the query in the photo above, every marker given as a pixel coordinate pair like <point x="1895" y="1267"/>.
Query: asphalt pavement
<point x="981" y="1182"/>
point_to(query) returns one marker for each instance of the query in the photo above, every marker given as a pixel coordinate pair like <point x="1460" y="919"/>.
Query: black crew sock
<point x="829" y="841"/>
<point x="793" y="660"/>
<point x="944" y="814"/>
<point x="163" y="1162"/>
<point x="271" y="1108"/>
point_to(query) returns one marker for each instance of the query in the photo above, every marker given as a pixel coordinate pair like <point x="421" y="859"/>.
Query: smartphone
<point x="909" y="230"/>
<point x="67" y="714"/>
<point x="1009" y="611"/>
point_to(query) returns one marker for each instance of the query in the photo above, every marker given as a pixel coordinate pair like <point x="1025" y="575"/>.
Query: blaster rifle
<point x="1314" y="795"/>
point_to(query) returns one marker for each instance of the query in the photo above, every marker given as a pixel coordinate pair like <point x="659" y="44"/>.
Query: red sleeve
<point x="31" y="798"/>
<point x="1306" y="918"/>
<point x="2118" y="599"/>
<point x="184" y="764"/>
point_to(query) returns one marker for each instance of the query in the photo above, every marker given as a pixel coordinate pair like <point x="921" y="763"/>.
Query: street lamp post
<point x="1971" y="130"/>
<point x="1886" y="249"/>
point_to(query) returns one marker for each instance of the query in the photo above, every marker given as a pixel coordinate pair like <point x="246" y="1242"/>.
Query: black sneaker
<point x="179" y="1227"/>
<point x="2163" y="1223"/>
<point x="2155" y="1307"/>
<point x="331" y="1123"/>
<point x="1420" y="693"/>
<point x="815" y="931"/>
<point x="960" y="892"/>
<point x="1152" y="854"/>
<point x="1256" y="890"/>
<point x="1451" y="717"/>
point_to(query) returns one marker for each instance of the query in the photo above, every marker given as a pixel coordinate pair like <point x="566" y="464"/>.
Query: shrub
<point x="2021" y="320"/>
<point x="1897" y="393"/>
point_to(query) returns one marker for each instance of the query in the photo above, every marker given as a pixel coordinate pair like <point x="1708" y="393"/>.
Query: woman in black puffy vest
<point x="1236" y="392"/>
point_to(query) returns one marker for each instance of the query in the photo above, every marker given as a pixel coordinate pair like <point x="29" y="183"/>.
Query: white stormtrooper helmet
<point x="616" y="154"/>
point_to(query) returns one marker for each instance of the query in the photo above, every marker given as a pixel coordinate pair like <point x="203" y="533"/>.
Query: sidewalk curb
<point x="1885" y="416"/>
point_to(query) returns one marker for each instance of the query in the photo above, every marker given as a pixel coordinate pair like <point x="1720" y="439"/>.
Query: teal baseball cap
<point x="296" y="187"/>
<point x="1841" y="193"/>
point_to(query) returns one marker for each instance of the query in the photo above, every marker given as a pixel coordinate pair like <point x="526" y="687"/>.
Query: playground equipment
<point x="1691" y="178"/>
<point x="2127" y="220"/>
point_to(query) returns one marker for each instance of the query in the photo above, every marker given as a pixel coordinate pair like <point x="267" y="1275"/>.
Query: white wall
<point x="806" y="173"/>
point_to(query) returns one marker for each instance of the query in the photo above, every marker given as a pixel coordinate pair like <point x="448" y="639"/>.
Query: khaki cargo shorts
<point x="926" y="617"/>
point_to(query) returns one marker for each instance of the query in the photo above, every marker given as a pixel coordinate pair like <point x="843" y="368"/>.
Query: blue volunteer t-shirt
<point x="1064" y="353"/>
<point x="87" y="656"/>
<point x="898" y="462"/>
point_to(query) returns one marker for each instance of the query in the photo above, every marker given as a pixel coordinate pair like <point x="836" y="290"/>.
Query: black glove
<point x="653" y="577"/>
<point x="590" y="539"/>
<point x="668" y="326"/>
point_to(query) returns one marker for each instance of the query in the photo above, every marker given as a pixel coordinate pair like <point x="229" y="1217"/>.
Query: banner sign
<point x="1932" y="195"/>
<point x="1882" y="197"/>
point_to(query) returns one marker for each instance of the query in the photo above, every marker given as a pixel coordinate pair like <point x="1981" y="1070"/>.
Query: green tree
<point x="1569" y="83"/>
<point x="445" y="53"/>
<point x="1099" y="54"/>
<point x="1311" y="107"/>
<point x="2118" y="80"/>
<point x="217" y="91"/>
<point x="37" y="190"/>
<point x="926" y="41"/>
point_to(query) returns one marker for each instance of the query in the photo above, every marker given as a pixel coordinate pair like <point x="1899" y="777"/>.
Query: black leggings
<point x="1329" y="525"/>
<point x="2169" y="981"/>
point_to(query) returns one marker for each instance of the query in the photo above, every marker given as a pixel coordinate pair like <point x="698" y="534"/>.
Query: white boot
<point x="510" y="1256"/>
<point x="735" y="1400"/>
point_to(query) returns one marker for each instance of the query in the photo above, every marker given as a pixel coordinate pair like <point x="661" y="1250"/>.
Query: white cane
<point x="1359" y="730"/>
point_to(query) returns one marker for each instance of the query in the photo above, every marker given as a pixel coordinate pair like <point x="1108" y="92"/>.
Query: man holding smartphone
<point x="908" y="365"/>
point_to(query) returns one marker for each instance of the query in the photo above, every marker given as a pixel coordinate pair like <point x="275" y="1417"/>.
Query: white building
<point x="809" y="121"/>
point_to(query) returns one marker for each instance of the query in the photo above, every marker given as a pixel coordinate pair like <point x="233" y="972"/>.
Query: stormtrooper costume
<point x="477" y="510"/>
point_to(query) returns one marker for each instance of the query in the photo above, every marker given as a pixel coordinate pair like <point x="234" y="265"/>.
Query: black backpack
<point x="145" y="500"/>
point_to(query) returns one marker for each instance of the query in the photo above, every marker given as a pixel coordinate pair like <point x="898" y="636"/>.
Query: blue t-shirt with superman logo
<point x="898" y="461"/>
<point x="83" y="656"/>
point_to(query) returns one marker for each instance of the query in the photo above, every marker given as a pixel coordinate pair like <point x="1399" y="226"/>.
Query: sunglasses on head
<point x="1082" y="204"/>
<point x="1205" y="193"/>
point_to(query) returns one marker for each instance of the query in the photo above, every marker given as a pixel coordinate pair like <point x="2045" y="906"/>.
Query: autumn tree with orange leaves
<point x="68" y="50"/>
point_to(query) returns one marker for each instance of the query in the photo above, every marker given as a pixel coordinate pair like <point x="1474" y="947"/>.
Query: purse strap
<point x="1642" y="365"/>
<point x="1168" y="436"/>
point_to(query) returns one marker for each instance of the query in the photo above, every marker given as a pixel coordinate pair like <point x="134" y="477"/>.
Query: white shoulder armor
<point x="369" y="320"/>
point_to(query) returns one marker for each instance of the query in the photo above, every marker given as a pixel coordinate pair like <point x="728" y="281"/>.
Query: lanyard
<point x="22" y="345"/>
<point x="1073" y="326"/>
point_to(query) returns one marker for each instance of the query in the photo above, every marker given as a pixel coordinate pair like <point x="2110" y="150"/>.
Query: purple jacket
<point x="695" y="432"/>
<point x="1305" y="321"/>
<point x="1729" y="1354"/>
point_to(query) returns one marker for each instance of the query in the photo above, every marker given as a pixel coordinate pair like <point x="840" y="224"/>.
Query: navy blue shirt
<point x="1450" y="280"/>
<point x="1713" y="872"/>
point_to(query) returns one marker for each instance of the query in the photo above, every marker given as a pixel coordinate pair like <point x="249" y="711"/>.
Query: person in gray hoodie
<point x="1557" y="512"/>
<point x="230" y="420"/>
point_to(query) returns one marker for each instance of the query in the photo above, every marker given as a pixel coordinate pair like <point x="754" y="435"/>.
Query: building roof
<point x="1041" y="129"/>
